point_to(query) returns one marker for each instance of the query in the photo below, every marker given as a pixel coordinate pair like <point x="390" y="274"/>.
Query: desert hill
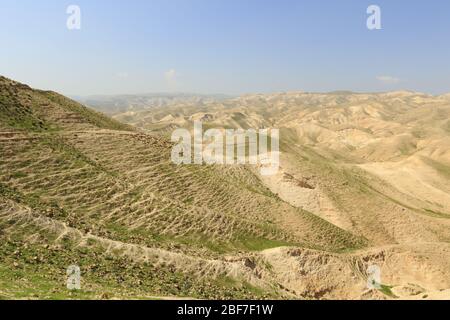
<point x="376" y="165"/>
<point x="78" y="188"/>
<point x="140" y="102"/>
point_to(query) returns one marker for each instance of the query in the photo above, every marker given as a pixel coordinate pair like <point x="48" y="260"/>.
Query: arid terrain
<point x="364" y="180"/>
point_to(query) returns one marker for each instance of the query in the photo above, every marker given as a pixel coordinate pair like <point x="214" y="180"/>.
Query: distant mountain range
<point x="121" y="103"/>
<point x="364" y="183"/>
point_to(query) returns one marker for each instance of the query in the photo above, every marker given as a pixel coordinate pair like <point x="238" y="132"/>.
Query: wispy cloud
<point x="388" y="79"/>
<point x="171" y="77"/>
<point x="122" y="75"/>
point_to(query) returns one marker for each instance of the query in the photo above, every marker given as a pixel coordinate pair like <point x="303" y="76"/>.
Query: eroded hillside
<point x="80" y="189"/>
<point x="375" y="165"/>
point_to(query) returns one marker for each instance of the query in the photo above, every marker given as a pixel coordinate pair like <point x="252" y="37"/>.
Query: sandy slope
<point x="376" y="165"/>
<point x="364" y="181"/>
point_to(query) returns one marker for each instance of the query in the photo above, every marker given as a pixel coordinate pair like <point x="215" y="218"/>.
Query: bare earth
<point x="364" y="180"/>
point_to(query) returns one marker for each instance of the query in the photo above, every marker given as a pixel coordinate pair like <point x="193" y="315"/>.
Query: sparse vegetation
<point x="77" y="187"/>
<point x="387" y="290"/>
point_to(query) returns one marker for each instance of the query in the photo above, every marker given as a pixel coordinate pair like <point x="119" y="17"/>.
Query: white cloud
<point x="171" y="76"/>
<point x="388" y="79"/>
<point x="122" y="75"/>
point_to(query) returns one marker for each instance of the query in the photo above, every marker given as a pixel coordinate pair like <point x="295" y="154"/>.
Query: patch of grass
<point x="34" y="272"/>
<point x="58" y="144"/>
<point x="17" y="115"/>
<point x="260" y="244"/>
<point x="18" y="175"/>
<point x="437" y="214"/>
<point x="93" y="117"/>
<point x="33" y="201"/>
<point x="245" y="287"/>
<point x="387" y="290"/>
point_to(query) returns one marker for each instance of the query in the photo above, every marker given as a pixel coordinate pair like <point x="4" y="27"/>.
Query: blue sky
<point x="226" y="46"/>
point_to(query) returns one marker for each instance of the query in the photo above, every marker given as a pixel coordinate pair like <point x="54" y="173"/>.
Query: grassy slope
<point x="64" y="163"/>
<point x="22" y="108"/>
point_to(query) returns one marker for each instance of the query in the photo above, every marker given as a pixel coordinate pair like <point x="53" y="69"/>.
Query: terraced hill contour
<point x="77" y="188"/>
<point x="376" y="165"/>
